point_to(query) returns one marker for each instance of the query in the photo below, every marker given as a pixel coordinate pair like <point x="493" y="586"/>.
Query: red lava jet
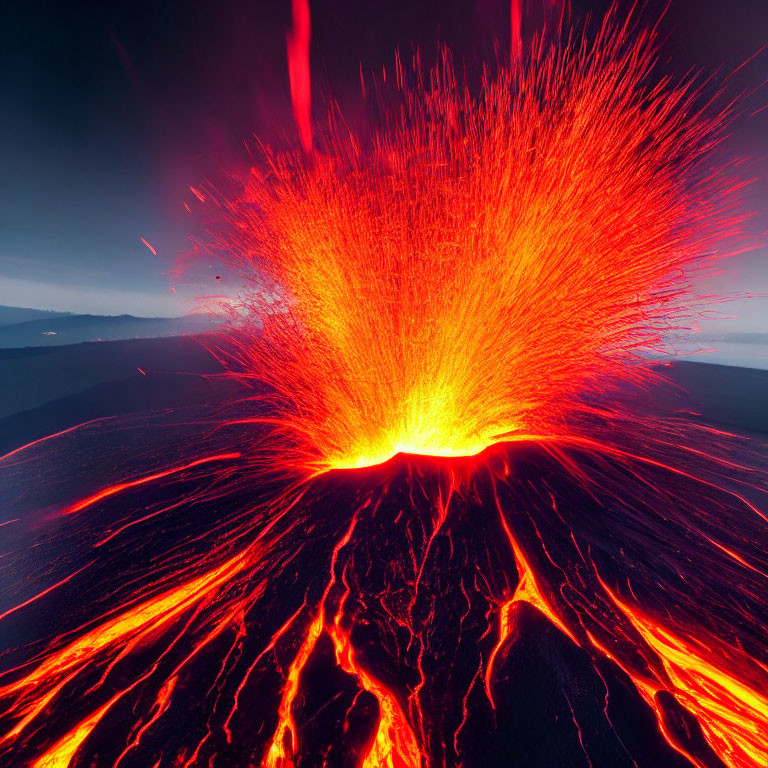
<point x="438" y="520"/>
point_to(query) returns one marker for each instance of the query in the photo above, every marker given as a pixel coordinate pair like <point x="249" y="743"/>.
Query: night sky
<point x="111" y="110"/>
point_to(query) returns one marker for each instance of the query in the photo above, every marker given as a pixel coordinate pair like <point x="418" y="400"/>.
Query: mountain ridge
<point x="70" y="328"/>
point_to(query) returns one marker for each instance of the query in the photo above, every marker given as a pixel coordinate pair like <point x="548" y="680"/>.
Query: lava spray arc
<point x="442" y="338"/>
<point x="486" y="260"/>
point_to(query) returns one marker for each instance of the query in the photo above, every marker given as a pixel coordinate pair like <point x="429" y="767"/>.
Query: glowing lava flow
<point x="119" y="487"/>
<point x="61" y="754"/>
<point x="32" y="693"/>
<point x="732" y="713"/>
<point x="285" y="740"/>
<point x="527" y="591"/>
<point x="394" y="745"/>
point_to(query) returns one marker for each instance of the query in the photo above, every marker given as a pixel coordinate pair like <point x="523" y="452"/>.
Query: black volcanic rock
<point x="417" y="587"/>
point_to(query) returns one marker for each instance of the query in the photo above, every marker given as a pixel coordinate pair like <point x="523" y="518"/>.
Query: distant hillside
<point x="32" y="377"/>
<point x="13" y="315"/>
<point x="55" y="330"/>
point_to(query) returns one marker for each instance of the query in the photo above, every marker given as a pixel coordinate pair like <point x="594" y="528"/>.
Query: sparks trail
<point x="40" y="440"/>
<point x="444" y="533"/>
<point x="485" y="262"/>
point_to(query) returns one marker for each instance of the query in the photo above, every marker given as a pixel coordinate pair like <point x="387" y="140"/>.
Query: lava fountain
<point x="484" y="260"/>
<point x="442" y="346"/>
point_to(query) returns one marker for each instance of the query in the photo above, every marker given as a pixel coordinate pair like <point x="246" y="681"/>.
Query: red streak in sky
<point x="516" y="40"/>
<point x="298" y="72"/>
<point x="151" y="248"/>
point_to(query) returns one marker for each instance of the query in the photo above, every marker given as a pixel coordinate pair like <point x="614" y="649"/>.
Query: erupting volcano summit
<point x="435" y="509"/>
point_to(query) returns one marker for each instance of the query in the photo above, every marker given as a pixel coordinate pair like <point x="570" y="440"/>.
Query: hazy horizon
<point x="111" y="115"/>
<point x="29" y="294"/>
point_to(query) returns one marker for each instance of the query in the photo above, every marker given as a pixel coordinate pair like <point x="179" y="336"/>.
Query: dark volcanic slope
<point x="556" y="703"/>
<point x="721" y="394"/>
<point x="31" y="377"/>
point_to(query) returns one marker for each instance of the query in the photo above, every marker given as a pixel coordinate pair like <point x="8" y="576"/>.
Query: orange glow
<point x="732" y="713"/>
<point x="467" y="276"/>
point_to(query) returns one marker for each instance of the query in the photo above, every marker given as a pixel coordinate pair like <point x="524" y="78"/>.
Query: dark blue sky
<point x="111" y="110"/>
